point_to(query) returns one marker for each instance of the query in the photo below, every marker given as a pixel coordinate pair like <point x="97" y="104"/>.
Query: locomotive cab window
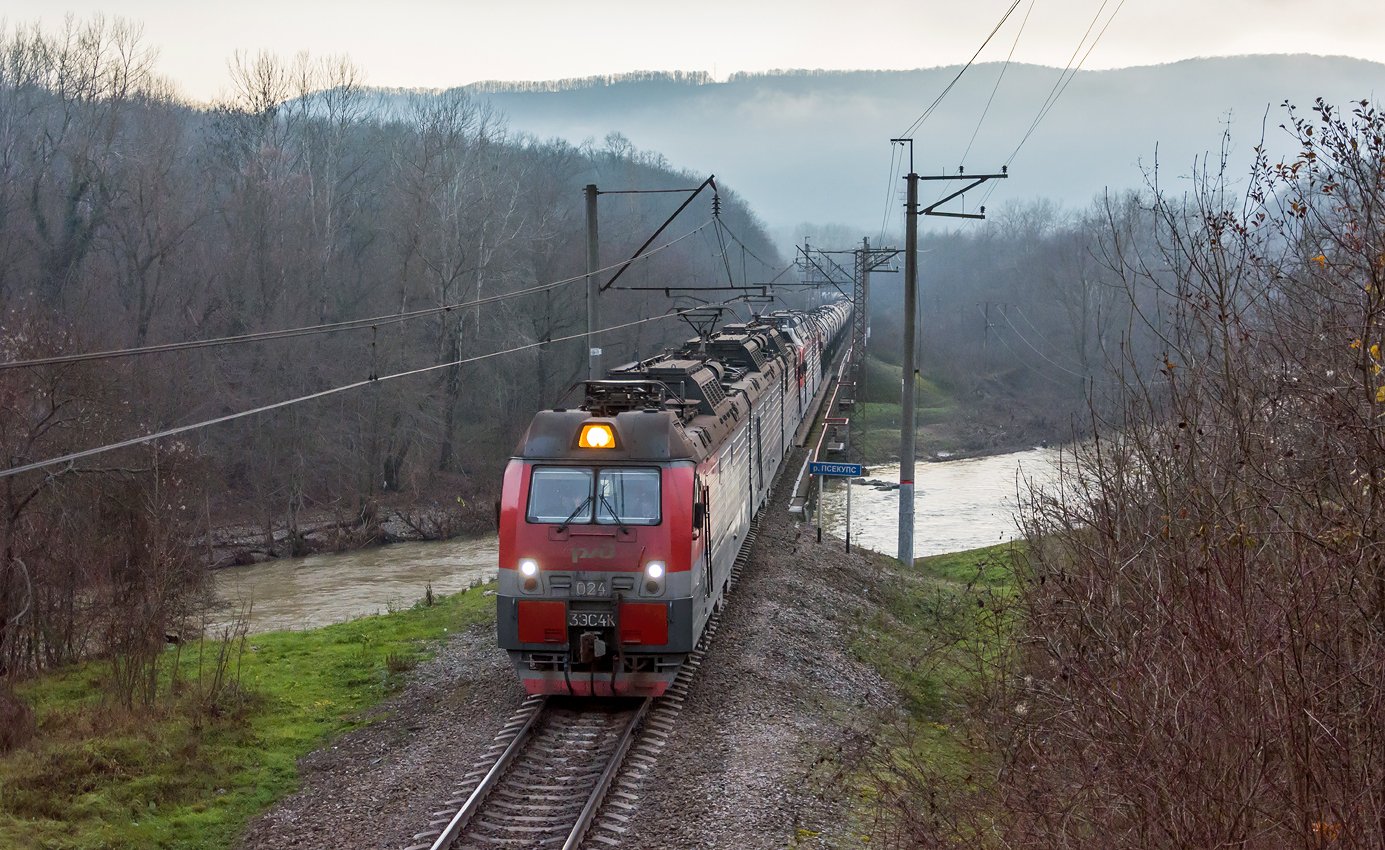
<point x="560" y="494"/>
<point x="621" y="496"/>
<point x="627" y="497"/>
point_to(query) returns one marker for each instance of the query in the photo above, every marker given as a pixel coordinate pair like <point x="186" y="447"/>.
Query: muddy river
<point x="301" y="593"/>
<point x="961" y="504"/>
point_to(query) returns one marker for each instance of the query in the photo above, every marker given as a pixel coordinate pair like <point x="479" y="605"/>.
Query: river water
<point x="302" y="593"/>
<point x="960" y="504"/>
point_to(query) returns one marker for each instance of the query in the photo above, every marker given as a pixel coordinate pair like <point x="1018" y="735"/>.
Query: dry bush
<point x="1203" y="644"/>
<point x="95" y="559"/>
<point x="16" y="720"/>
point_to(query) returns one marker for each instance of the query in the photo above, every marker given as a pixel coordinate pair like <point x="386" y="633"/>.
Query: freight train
<point x="620" y="519"/>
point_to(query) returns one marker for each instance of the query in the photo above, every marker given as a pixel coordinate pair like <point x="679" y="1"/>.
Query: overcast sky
<point x="436" y="43"/>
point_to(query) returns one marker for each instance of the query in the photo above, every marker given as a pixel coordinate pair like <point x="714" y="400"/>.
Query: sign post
<point x="819" y="509"/>
<point x="848" y="516"/>
<point x="836" y="470"/>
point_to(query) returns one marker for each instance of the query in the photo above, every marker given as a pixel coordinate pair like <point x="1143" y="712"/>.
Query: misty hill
<point x="813" y="146"/>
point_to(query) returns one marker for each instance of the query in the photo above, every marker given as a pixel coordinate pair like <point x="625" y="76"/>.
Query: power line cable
<point x="1003" y="68"/>
<point x="994" y="89"/>
<point x="1030" y="366"/>
<point x="1064" y="80"/>
<point x="1055" y="364"/>
<point x="1080" y="63"/>
<point x="889" y="192"/>
<point x="918" y="122"/>
<point x="182" y="429"/>
<point x="310" y="330"/>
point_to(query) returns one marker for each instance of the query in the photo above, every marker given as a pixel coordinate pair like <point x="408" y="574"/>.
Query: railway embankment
<point x="788" y="699"/>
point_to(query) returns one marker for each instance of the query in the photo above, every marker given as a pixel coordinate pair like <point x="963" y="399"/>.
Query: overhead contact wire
<point x="918" y="122"/>
<point x="183" y="429"/>
<point x="737" y="240"/>
<point x="311" y="330"/>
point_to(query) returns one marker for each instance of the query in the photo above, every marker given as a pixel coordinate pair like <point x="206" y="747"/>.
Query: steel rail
<point x="511" y="759"/>
<point x="473" y="803"/>
<point x="603" y="784"/>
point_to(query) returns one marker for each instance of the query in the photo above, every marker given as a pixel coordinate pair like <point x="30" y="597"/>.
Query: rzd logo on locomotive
<point x="604" y="552"/>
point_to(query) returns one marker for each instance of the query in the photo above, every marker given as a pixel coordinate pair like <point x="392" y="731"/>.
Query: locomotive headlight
<point x="654" y="577"/>
<point x="597" y="435"/>
<point x="529" y="569"/>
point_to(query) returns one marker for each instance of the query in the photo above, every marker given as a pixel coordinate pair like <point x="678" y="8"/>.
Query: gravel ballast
<point x="779" y="691"/>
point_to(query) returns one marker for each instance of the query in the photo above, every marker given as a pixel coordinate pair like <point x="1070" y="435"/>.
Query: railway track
<point x="566" y="773"/>
<point x="550" y="770"/>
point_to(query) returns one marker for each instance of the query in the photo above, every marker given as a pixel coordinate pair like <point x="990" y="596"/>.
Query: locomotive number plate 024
<point x="589" y="588"/>
<point x="591" y="619"/>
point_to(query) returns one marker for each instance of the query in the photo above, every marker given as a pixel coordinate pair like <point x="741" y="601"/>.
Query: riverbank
<point x="240" y="544"/>
<point x="318" y="590"/>
<point x="221" y="741"/>
<point x="949" y="424"/>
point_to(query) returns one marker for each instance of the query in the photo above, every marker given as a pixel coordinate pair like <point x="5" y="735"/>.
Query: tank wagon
<point x="620" y="519"/>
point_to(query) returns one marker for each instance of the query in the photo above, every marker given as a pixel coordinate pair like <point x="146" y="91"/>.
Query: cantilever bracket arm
<point x="976" y="180"/>
<point x="827" y="276"/>
<point x="710" y="181"/>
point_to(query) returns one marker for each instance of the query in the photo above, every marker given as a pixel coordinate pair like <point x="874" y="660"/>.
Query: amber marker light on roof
<point x="597" y="435"/>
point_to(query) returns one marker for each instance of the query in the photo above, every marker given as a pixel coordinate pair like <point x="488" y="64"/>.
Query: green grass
<point x="875" y="422"/>
<point x="185" y="775"/>
<point x="882" y="384"/>
<point x="938" y="633"/>
<point x="990" y="567"/>
<point x="937" y="625"/>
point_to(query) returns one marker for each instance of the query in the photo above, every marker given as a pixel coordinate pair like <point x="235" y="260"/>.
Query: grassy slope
<point x="926" y="637"/>
<point x="930" y="638"/>
<point x="179" y="777"/>
<point x="875" y="421"/>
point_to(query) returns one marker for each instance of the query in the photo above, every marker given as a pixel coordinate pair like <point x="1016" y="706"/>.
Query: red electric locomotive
<point x="621" y="519"/>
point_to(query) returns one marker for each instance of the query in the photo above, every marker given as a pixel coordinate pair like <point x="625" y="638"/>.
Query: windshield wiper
<point x="575" y="512"/>
<point x="612" y="508"/>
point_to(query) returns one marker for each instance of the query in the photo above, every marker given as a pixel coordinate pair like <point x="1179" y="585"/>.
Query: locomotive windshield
<point x="622" y="496"/>
<point x="558" y="493"/>
<point x="628" y="497"/>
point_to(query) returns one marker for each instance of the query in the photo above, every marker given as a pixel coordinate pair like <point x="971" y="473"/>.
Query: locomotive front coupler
<point x="590" y="647"/>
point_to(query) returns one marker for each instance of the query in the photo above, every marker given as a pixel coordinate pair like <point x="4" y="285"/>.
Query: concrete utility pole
<point x="906" y="399"/>
<point x="593" y="288"/>
<point x="911" y="245"/>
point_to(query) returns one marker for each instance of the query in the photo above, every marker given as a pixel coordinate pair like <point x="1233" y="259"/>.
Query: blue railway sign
<point x="838" y="470"/>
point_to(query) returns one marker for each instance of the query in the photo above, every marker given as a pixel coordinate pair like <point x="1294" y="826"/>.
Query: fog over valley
<point x="813" y="146"/>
